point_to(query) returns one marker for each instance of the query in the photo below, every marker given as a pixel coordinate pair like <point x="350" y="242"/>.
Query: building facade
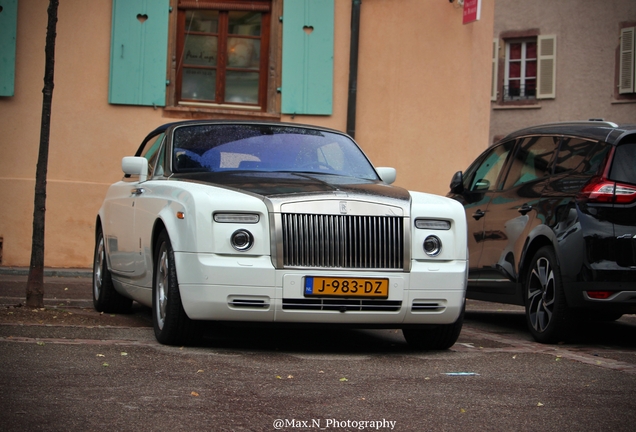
<point x="561" y="61"/>
<point x="124" y="67"/>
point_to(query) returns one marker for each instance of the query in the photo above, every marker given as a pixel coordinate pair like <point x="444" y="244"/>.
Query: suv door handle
<point x="478" y="214"/>
<point x="525" y="209"/>
<point x="137" y="191"/>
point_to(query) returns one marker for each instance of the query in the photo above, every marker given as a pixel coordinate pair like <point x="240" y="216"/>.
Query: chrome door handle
<point x="137" y="191"/>
<point x="524" y="209"/>
<point x="478" y="214"/>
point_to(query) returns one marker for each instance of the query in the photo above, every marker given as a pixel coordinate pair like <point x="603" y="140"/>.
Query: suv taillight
<point x="602" y="190"/>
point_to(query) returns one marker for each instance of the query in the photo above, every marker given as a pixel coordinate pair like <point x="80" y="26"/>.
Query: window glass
<point x="153" y="151"/>
<point x="596" y="158"/>
<point x="219" y="50"/>
<point x="624" y="162"/>
<point x="531" y="161"/>
<point x="483" y="175"/>
<point x="572" y="153"/>
<point x="216" y="148"/>
<point x="521" y="69"/>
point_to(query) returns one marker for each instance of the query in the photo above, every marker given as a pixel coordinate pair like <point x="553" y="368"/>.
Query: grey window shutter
<point x="495" y="64"/>
<point x="626" y="67"/>
<point x="546" y="70"/>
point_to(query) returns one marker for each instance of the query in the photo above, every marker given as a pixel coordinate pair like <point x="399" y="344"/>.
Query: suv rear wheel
<point x="547" y="314"/>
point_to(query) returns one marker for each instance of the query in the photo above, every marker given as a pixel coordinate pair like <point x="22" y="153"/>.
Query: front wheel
<point x="172" y="325"/>
<point x="434" y="337"/>
<point x="105" y="298"/>
<point x="547" y="314"/>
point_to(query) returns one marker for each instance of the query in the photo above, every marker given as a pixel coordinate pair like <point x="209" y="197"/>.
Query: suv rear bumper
<point x="622" y="298"/>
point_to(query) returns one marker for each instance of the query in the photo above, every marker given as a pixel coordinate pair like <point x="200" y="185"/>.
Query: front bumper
<point x="223" y="288"/>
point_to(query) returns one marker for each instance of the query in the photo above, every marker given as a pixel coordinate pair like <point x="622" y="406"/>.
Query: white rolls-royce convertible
<point x="270" y="222"/>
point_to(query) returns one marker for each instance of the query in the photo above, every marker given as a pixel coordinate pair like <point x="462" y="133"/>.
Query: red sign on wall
<point x="472" y="11"/>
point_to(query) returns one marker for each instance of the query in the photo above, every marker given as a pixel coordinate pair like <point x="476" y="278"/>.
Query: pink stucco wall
<point x="423" y="107"/>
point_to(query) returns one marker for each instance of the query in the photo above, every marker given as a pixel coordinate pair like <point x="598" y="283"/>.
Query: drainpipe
<point x="353" y="67"/>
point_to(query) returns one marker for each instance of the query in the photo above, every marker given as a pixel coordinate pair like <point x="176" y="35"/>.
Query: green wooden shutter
<point x="139" y="52"/>
<point x="8" y="27"/>
<point x="308" y="41"/>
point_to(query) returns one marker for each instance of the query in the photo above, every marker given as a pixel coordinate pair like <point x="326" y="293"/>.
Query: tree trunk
<point x="35" y="283"/>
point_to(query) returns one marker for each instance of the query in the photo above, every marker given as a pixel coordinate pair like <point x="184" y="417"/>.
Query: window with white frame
<point x="529" y="69"/>
<point x="521" y="69"/>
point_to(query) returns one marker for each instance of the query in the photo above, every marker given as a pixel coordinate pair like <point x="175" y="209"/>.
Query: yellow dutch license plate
<point x="346" y="287"/>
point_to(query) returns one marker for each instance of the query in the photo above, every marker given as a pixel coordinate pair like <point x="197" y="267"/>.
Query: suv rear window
<point x="624" y="166"/>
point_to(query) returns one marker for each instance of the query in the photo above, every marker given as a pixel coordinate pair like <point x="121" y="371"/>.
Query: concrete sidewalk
<point x="48" y="272"/>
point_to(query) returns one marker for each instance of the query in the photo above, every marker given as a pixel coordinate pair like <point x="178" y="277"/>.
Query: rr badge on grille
<point x="343" y="207"/>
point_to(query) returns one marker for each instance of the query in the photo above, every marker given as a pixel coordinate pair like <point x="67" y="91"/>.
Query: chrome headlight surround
<point x="432" y="246"/>
<point x="242" y="240"/>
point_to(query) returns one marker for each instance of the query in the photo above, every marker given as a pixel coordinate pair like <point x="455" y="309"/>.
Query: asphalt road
<point x="117" y="377"/>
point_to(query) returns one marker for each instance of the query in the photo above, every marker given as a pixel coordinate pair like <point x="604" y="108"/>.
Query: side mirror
<point x="457" y="183"/>
<point x="135" y="165"/>
<point x="387" y="174"/>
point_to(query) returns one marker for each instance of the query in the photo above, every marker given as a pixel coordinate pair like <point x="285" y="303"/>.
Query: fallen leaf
<point x="40" y="343"/>
<point x="514" y="356"/>
<point x="105" y="364"/>
<point x="539" y="404"/>
<point x="124" y="353"/>
<point x="343" y="379"/>
<point x="290" y="377"/>
<point x="278" y="377"/>
<point x="65" y="289"/>
<point x="100" y="355"/>
<point x="195" y="394"/>
<point x="462" y="410"/>
<point x="200" y="371"/>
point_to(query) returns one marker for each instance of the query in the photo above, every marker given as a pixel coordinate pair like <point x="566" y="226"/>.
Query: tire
<point x="547" y="315"/>
<point x="105" y="297"/>
<point x="434" y="337"/>
<point x="171" y="324"/>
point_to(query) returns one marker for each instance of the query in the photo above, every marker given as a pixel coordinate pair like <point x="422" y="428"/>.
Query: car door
<point x="512" y="214"/>
<point x="147" y="206"/>
<point x="119" y="216"/>
<point x="480" y="180"/>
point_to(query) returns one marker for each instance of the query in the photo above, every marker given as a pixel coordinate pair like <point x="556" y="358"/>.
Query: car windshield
<point x="229" y="147"/>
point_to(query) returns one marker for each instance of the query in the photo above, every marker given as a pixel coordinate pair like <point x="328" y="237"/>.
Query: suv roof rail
<point x="590" y="122"/>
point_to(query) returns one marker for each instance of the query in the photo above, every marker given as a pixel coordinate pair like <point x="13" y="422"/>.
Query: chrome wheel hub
<point x="161" y="286"/>
<point x="541" y="295"/>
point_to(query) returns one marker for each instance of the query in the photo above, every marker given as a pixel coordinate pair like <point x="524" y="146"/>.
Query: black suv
<point x="551" y="214"/>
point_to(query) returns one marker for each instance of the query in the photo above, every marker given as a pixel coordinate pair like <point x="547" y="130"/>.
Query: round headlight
<point x="432" y="245"/>
<point x="242" y="240"/>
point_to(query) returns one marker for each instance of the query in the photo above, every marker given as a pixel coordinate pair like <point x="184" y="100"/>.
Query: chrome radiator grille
<point x="343" y="241"/>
